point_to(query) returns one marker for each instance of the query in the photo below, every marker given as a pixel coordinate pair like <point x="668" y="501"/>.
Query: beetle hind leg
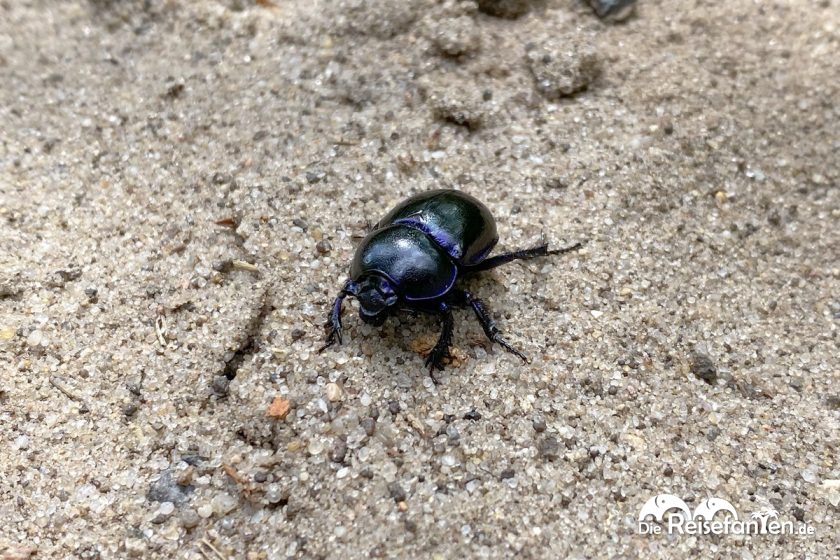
<point x="540" y="250"/>
<point x="466" y="299"/>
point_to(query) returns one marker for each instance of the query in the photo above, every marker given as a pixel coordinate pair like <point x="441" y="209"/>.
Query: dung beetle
<point x="412" y="259"/>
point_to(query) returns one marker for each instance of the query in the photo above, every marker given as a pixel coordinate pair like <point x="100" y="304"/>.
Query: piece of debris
<point x="237" y="478"/>
<point x="62" y="386"/>
<point x="279" y="408"/>
<point x="161" y="329"/>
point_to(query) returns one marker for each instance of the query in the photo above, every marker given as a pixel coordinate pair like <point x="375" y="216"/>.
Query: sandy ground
<point x="161" y="398"/>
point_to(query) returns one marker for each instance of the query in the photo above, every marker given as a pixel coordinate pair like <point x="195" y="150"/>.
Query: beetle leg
<point x="441" y="350"/>
<point x="538" y="251"/>
<point x="333" y="323"/>
<point x="465" y="298"/>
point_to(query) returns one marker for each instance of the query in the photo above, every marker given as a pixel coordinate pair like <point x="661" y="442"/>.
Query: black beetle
<point x="412" y="259"/>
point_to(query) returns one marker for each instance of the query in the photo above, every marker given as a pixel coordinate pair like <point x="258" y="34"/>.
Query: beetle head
<point x="376" y="299"/>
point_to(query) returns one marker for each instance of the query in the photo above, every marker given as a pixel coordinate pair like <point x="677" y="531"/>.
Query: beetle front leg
<point x="441" y="349"/>
<point x="465" y="298"/>
<point x="333" y="324"/>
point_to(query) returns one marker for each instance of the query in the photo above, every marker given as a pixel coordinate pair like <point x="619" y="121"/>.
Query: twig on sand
<point x="61" y="385"/>
<point x="213" y="549"/>
<point x="160" y="329"/>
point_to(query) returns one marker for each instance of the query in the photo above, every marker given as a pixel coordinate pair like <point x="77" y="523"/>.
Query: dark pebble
<point x="539" y="424"/>
<point x="507" y="473"/>
<point x="798" y="514"/>
<point x="369" y="426"/>
<point x="220" y="385"/>
<point x="91" y="294"/>
<point x="613" y="10"/>
<point x="394" y="407"/>
<point x="713" y="433"/>
<point x="703" y="367"/>
<point x="313" y="177"/>
<point x="549" y="448"/>
<point x="366" y="473"/>
<point x="323" y="247"/>
<point x="472" y="415"/>
<point x="130" y="410"/>
<point x="397" y="492"/>
<point x="174" y="91"/>
<point x="301" y="223"/>
<point x="297" y="334"/>
<point x="509" y="9"/>
<point x="668" y="471"/>
<point x="152" y="290"/>
<point x="339" y="451"/>
<point x="166" y="489"/>
<point x="260" y="477"/>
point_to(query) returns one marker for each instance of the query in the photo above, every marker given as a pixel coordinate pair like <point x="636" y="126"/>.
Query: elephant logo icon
<point x="658" y="506"/>
<point x="711" y="506"/>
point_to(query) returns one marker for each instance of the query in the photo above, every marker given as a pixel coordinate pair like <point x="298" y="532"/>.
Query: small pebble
<point x="549" y="448"/>
<point x="323" y="247"/>
<point x="220" y="385"/>
<point x="472" y="415"/>
<point x="507" y="473"/>
<point x="613" y="10"/>
<point x="334" y="392"/>
<point x="397" y="492"/>
<point x="189" y="518"/>
<point x="205" y="511"/>
<point x="223" y="503"/>
<point x="369" y="426"/>
<point x="538" y="424"/>
<point x="339" y="451"/>
<point x="703" y="367"/>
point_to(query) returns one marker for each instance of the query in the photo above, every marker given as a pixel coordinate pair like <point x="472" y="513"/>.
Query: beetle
<point x="412" y="259"/>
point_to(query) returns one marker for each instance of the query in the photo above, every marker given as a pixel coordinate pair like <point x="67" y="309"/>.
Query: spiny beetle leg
<point x="541" y="250"/>
<point x="466" y="299"/>
<point x="333" y="324"/>
<point x="441" y="349"/>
